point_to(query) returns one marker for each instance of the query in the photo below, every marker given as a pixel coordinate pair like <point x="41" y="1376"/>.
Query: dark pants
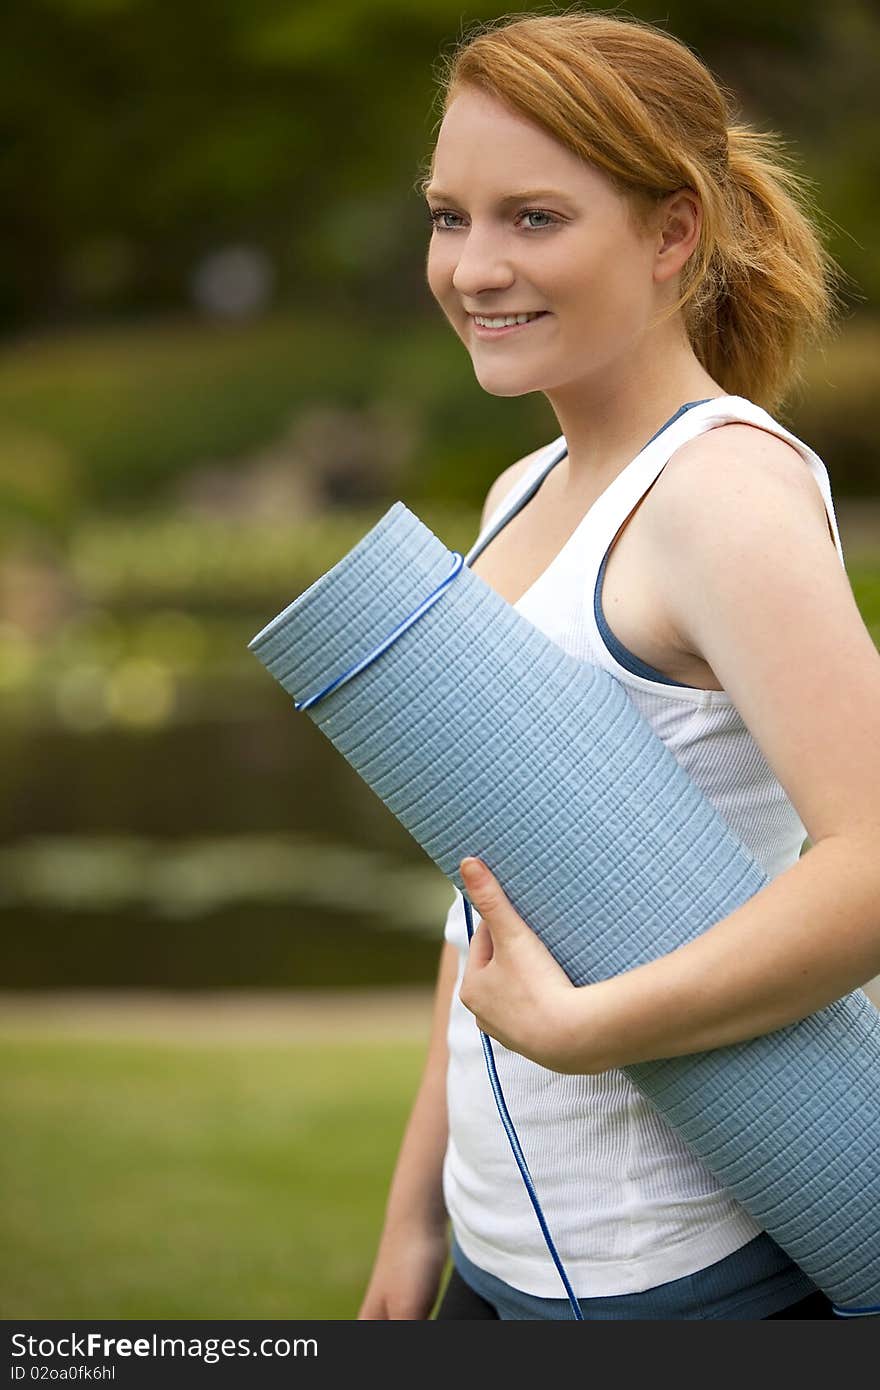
<point x="460" y="1302"/>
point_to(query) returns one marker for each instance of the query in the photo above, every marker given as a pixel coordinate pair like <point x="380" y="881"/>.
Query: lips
<point x="481" y="331"/>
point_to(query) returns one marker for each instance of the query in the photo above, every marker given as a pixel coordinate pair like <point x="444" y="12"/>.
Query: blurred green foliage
<point x="120" y="414"/>
<point x="139" y="134"/>
<point x="199" y="491"/>
<point x="119" y="421"/>
<point x="172" y="473"/>
<point x="131" y="636"/>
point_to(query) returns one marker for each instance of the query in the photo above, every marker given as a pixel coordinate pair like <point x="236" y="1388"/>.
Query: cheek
<point x="439" y="269"/>
<point x="628" y="269"/>
<point x="609" y="290"/>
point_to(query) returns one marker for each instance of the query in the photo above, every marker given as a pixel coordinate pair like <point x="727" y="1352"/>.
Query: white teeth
<point x="508" y="320"/>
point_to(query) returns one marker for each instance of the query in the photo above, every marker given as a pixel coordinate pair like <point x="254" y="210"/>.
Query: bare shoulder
<point x="729" y="470"/>
<point x="728" y="494"/>
<point x="505" y="482"/>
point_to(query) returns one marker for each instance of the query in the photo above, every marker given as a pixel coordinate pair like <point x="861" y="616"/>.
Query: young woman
<point x="604" y="233"/>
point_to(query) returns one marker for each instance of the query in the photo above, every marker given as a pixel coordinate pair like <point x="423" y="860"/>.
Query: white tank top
<point x="628" y="1205"/>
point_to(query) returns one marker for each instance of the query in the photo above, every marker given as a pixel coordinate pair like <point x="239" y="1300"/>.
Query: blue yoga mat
<point x="482" y="736"/>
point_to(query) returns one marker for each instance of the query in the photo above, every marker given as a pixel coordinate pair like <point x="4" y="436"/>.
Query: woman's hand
<point x="517" y="991"/>
<point x="406" y="1276"/>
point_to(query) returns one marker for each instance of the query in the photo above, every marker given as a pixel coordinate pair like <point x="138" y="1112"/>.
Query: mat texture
<point x="484" y="737"/>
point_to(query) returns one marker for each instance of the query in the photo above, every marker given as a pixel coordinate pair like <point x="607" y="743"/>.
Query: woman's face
<point x="571" y="251"/>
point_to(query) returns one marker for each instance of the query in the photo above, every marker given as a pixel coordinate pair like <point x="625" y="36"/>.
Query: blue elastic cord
<point x="458" y="562"/>
<point x="515" y="1144"/>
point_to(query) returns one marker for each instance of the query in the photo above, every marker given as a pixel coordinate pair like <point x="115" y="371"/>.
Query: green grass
<point x="169" y="1181"/>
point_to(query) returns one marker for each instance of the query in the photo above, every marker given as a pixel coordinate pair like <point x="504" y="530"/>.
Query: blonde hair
<point x="760" y="289"/>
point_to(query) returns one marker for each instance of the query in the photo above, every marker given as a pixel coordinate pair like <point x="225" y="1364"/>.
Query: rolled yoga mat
<point x="484" y="737"/>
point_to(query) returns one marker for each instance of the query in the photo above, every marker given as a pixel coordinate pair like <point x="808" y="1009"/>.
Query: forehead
<point x="482" y="143"/>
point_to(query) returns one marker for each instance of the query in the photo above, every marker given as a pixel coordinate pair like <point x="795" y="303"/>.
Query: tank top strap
<point x="618" y="502"/>
<point x="587" y="565"/>
<point x="527" y="484"/>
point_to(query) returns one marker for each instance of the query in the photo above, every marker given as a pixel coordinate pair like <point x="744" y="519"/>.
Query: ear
<point x="680" y="221"/>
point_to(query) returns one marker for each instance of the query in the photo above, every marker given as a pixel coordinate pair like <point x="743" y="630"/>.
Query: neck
<point x="608" y="417"/>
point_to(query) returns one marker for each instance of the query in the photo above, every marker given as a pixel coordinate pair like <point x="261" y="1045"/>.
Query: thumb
<point x="488" y="897"/>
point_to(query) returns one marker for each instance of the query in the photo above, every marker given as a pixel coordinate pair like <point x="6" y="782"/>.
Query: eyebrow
<point x="524" y="194"/>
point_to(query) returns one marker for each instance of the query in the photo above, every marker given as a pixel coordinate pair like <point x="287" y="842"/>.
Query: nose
<point x="480" y="266"/>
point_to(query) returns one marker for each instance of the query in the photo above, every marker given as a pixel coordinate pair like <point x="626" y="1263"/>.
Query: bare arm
<point x="758" y="592"/>
<point x="413" y="1246"/>
<point x="416" y="1188"/>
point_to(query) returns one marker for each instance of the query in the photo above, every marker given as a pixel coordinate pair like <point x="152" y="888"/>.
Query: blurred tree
<point x="138" y="137"/>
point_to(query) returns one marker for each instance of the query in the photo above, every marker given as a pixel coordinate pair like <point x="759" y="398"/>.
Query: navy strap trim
<point x="622" y="655"/>
<point x="526" y="497"/>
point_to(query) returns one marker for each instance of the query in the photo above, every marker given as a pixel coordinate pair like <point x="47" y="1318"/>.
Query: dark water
<point x="206" y="854"/>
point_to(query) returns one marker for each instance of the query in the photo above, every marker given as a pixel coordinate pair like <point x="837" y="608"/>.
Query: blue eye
<point x="538" y="212"/>
<point x="435" y="214"/>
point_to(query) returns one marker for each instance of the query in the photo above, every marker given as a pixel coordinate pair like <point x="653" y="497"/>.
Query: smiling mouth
<point x="483" y="330"/>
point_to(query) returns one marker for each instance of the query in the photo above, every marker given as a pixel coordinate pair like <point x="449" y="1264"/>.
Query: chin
<point x="502" y="386"/>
